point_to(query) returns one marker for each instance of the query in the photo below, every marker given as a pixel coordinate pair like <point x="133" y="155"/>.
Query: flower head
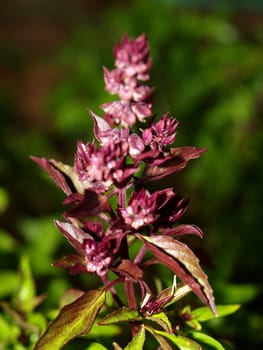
<point x="140" y="210"/>
<point x="98" y="256"/>
<point x="162" y="133"/>
<point x="132" y="66"/>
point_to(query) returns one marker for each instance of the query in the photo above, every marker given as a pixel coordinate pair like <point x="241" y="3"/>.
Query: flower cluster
<point x="132" y="67"/>
<point x="107" y="187"/>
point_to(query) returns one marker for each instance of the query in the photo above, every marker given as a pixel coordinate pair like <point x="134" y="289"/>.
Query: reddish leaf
<point x="74" y="319"/>
<point x="182" y="261"/>
<point x="130" y="269"/>
<point x="87" y="204"/>
<point x="58" y="176"/>
<point x="183" y="230"/>
<point x="74" y="235"/>
<point x="176" y="160"/>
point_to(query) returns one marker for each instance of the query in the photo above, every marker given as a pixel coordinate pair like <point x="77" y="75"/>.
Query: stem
<point x="140" y="255"/>
<point x="112" y="290"/>
<point x="129" y="289"/>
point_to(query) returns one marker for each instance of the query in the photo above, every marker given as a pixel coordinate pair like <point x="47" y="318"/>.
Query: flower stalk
<point x="110" y="199"/>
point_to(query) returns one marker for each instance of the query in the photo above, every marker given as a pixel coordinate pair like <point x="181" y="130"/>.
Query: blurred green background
<point x="208" y="72"/>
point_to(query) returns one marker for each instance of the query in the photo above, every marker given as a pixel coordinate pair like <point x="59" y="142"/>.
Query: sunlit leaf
<point x="121" y="315"/>
<point x="137" y="341"/>
<point x="182" y="261"/>
<point x="95" y="346"/>
<point x="176" y="295"/>
<point x="204" y="313"/>
<point x="161" y="340"/>
<point x="74" y="319"/>
<point x="206" y="339"/>
<point x="180" y="341"/>
<point x="162" y="320"/>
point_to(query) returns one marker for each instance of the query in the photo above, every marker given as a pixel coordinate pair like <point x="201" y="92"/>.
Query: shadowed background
<point x="208" y="72"/>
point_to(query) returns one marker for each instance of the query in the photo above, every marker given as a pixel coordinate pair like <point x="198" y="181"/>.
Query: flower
<point x="132" y="66"/>
<point x="132" y="57"/>
<point x="140" y="210"/>
<point x="97" y="256"/>
<point x="162" y="133"/>
<point x="102" y="167"/>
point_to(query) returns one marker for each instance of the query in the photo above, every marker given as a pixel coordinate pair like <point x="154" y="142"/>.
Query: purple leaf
<point x="182" y="261"/>
<point x="87" y="204"/>
<point x="74" y="319"/>
<point x="183" y="230"/>
<point x="174" y="161"/>
<point x="128" y="268"/>
<point x="57" y="175"/>
<point x="74" y="235"/>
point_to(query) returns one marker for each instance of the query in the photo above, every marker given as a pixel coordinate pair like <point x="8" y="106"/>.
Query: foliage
<point x="112" y="208"/>
<point x="207" y="67"/>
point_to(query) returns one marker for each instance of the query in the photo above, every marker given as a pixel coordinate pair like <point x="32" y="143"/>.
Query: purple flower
<point x="97" y="256"/>
<point x="132" y="66"/>
<point x="140" y="210"/>
<point x="162" y="133"/>
<point x="132" y="57"/>
<point x="102" y="167"/>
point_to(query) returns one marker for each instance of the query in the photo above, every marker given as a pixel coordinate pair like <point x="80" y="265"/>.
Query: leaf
<point x="180" y="341"/>
<point x="74" y="263"/>
<point x="55" y="173"/>
<point x="162" y="320"/>
<point x="176" y="160"/>
<point x="203" y="314"/>
<point x="25" y="296"/>
<point x="137" y="341"/>
<point x="73" y="234"/>
<point x="128" y="268"/>
<point x="183" y="230"/>
<point x="182" y="261"/>
<point x="164" y="344"/>
<point x="207" y="339"/>
<point x="179" y="293"/>
<point x="96" y="346"/>
<point x="74" y="319"/>
<point x="121" y="315"/>
<point x="8" y="283"/>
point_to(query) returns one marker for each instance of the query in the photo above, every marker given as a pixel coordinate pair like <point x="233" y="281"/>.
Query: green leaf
<point x="25" y="296"/>
<point x="164" y="344"/>
<point x="137" y="341"/>
<point x="180" y="341"/>
<point x="74" y="319"/>
<point x="121" y="315"/>
<point x="183" y="262"/>
<point x="8" y="283"/>
<point x="162" y="320"/>
<point x="206" y="339"/>
<point x="203" y="314"/>
<point x="96" y="346"/>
